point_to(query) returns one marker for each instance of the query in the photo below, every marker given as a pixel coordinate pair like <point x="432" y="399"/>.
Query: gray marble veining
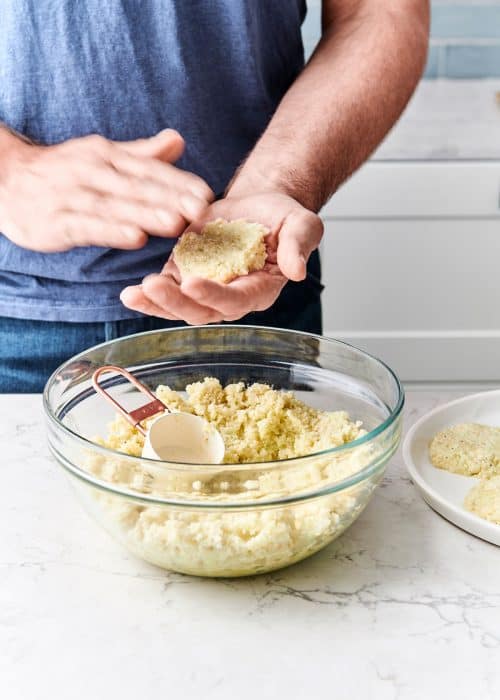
<point x="403" y="606"/>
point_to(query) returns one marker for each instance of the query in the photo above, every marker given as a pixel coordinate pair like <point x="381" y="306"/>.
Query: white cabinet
<point x="411" y="263"/>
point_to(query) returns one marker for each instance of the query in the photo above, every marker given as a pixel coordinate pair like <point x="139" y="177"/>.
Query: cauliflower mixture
<point x="472" y="449"/>
<point x="222" y="251"/>
<point x="258" y="424"/>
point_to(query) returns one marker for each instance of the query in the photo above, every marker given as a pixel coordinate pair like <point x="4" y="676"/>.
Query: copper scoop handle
<point x="139" y="414"/>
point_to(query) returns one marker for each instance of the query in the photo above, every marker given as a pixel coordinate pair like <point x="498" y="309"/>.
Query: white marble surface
<point x="447" y="120"/>
<point x="404" y="606"/>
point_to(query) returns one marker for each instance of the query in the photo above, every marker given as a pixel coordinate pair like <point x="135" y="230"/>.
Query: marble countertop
<point x="447" y="120"/>
<point x="404" y="606"/>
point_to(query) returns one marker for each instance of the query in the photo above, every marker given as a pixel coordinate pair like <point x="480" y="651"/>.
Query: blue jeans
<point x="31" y="350"/>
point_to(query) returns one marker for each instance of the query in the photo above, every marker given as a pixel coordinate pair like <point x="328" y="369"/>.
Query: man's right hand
<point x="91" y="191"/>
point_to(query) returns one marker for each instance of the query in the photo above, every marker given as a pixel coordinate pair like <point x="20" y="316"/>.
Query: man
<point x="96" y="181"/>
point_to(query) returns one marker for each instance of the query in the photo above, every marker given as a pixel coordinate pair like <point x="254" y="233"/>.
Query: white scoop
<point x="182" y="437"/>
<point x="172" y="436"/>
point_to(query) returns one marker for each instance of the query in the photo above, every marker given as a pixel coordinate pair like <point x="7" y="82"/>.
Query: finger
<point x="145" y="191"/>
<point x="134" y="298"/>
<point x="147" y="177"/>
<point x="254" y="292"/>
<point x="160" y="221"/>
<point x="168" y="145"/>
<point x="171" y="269"/>
<point x="83" y="230"/>
<point x="299" y="235"/>
<point x="165" y="293"/>
<point x="164" y="173"/>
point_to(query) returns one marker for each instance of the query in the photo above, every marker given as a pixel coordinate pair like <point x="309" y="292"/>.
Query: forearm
<point x="353" y="89"/>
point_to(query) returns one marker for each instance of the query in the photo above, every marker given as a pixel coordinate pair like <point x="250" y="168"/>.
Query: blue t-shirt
<point x="215" y="70"/>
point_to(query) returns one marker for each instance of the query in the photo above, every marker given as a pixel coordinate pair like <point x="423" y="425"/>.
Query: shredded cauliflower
<point x="258" y="424"/>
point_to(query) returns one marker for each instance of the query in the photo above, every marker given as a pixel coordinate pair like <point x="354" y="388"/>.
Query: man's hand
<point x="91" y="191"/>
<point x="351" y="92"/>
<point x="295" y="233"/>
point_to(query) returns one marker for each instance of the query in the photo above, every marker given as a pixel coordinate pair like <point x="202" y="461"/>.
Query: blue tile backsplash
<point x="465" y="38"/>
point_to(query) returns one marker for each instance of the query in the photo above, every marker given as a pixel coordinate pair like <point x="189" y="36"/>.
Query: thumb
<point x="167" y="145"/>
<point x="299" y="235"/>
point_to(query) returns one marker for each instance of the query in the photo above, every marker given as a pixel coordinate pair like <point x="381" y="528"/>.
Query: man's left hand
<point x="294" y="233"/>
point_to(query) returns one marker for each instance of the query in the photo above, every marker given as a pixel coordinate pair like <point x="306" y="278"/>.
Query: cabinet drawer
<point x="419" y="190"/>
<point x="412" y="275"/>
<point x="411" y="260"/>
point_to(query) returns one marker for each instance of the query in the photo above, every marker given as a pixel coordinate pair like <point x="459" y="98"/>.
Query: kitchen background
<point x="411" y="254"/>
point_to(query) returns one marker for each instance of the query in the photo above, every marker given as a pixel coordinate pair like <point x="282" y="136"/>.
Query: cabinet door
<point x="411" y="261"/>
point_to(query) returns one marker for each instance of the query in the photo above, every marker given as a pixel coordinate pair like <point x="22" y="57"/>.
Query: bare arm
<point x="353" y="89"/>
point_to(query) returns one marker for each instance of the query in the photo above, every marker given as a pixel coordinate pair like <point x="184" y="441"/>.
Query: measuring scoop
<point x="172" y="436"/>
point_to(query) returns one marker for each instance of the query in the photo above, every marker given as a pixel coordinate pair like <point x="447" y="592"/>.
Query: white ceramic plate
<point x="443" y="491"/>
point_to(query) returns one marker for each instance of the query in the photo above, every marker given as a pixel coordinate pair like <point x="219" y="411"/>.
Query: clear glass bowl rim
<point x="179" y="466"/>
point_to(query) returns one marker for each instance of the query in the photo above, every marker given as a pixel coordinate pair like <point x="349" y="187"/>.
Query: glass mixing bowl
<point x="225" y="520"/>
